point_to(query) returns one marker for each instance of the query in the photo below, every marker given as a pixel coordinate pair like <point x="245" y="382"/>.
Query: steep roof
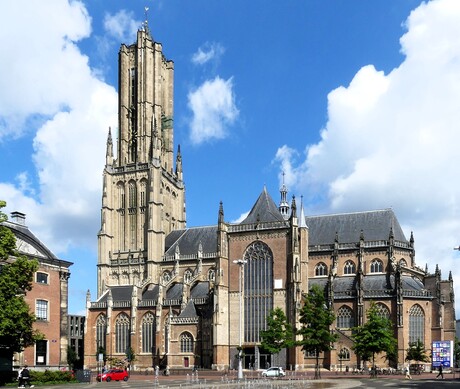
<point x="264" y="210"/>
<point x="119" y="293"/>
<point x="375" y="225"/>
<point x="189" y="310"/>
<point x="189" y="240"/>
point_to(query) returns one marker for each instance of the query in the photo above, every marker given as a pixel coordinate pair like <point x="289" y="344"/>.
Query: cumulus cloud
<point x="52" y="97"/>
<point x="391" y="140"/>
<point x="121" y="26"/>
<point x="210" y="51"/>
<point x="214" y="109"/>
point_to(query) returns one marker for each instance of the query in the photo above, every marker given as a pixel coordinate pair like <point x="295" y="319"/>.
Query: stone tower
<point x="143" y="196"/>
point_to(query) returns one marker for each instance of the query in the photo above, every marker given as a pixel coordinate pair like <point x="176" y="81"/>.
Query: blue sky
<point x="357" y="101"/>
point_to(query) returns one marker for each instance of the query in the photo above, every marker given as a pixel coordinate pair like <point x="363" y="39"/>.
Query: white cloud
<point x="214" y="109"/>
<point x="392" y="140"/>
<point x="121" y="26"/>
<point x="51" y="80"/>
<point x="209" y="51"/>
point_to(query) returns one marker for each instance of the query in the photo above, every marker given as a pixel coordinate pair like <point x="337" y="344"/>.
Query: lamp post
<point x="240" y="263"/>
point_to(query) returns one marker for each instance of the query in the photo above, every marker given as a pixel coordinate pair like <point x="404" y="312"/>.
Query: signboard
<point x="443" y="353"/>
<point x="100" y="357"/>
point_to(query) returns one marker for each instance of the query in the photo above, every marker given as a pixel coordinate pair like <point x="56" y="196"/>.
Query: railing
<point x="173" y="257"/>
<point x="102" y="304"/>
<point x="257" y="226"/>
<point x="148" y="303"/>
<point x="367" y="244"/>
<point x="122" y="304"/>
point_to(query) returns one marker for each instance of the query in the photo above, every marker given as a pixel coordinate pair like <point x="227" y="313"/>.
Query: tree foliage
<point x="374" y="336"/>
<point x="416" y="352"/>
<point x="279" y="333"/>
<point x="16" y="277"/>
<point x="316" y="319"/>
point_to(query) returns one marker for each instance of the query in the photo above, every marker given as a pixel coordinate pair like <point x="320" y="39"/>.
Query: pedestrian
<point x="407" y="371"/>
<point x="24" y="378"/>
<point x="440" y="372"/>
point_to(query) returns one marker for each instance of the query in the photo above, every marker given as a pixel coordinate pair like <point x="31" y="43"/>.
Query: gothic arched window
<point x="211" y="274"/>
<point x="345" y="317"/>
<point x="349" y="268"/>
<point x="402" y="262"/>
<point x="344" y="353"/>
<point x="188" y="274"/>
<point x="382" y="310"/>
<point x="258" y="289"/>
<point x="186" y="343"/>
<point x="416" y="324"/>
<point x="320" y="269"/>
<point x="122" y="333"/>
<point x="376" y="266"/>
<point x="101" y="330"/>
<point x="148" y="333"/>
<point x="166" y="277"/>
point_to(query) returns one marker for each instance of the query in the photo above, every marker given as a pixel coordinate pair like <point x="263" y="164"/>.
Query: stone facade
<point x="171" y="294"/>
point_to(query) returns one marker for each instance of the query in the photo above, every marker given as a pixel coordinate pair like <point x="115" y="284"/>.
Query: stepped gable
<point x="264" y="210"/>
<point x="189" y="241"/>
<point x="375" y="225"/>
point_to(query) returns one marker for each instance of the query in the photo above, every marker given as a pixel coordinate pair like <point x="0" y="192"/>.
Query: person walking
<point x="440" y="372"/>
<point x="407" y="371"/>
<point x="24" y="378"/>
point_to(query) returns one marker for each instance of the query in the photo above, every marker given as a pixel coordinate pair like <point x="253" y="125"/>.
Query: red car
<point x="114" y="374"/>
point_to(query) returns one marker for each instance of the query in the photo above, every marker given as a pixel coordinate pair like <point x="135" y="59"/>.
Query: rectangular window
<point x="41" y="347"/>
<point x="42" y="278"/>
<point x="41" y="310"/>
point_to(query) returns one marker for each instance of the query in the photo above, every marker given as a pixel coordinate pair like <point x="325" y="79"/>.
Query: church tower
<point x="143" y="195"/>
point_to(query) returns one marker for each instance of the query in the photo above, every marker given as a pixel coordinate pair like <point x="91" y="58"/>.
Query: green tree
<point x="316" y="319"/>
<point x="416" y="352"/>
<point x="457" y="352"/>
<point x="279" y="333"/>
<point x="374" y="336"/>
<point x="72" y="357"/>
<point x="16" y="275"/>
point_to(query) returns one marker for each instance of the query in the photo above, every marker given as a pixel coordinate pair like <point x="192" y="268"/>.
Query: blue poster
<point x="442" y="353"/>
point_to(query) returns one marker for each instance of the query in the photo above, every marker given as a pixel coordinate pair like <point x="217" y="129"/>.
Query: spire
<point x="109" y="151"/>
<point x="293" y="207"/>
<point x="221" y="213"/>
<point x="284" y="206"/>
<point x="302" y="222"/>
<point x="145" y="24"/>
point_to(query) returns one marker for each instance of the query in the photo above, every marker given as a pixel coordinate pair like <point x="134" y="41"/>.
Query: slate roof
<point x="189" y="240"/>
<point x="375" y="225"/>
<point x="151" y="292"/>
<point x="201" y="289"/>
<point x="189" y="310"/>
<point x="264" y="210"/>
<point x="175" y="292"/>
<point x="119" y="293"/>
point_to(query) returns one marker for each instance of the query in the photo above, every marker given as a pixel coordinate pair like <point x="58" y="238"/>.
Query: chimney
<point x="18" y="218"/>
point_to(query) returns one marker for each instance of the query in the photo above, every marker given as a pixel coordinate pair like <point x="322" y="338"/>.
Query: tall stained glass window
<point x="148" y="332"/>
<point x="416" y="324"/>
<point x="122" y="332"/>
<point x="101" y="330"/>
<point x="258" y="289"/>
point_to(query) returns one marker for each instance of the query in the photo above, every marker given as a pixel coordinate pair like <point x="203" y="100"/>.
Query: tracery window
<point x="320" y="269"/>
<point x="186" y="343"/>
<point x="382" y="310"/>
<point x="188" y="275"/>
<point x="344" y="354"/>
<point x="349" y="268"/>
<point x="416" y="324"/>
<point x="101" y="330"/>
<point x="122" y="332"/>
<point x="148" y="333"/>
<point x="258" y="289"/>
<point x="166" y="277"/>
<point x="403" y="263"/>
<point x="376" y="266"/>
<point x="212" y="275"/>
<point x="345" y="317"/>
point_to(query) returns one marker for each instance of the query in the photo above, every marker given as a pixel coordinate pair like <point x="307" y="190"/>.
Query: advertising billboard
<point x="442" y="353"/>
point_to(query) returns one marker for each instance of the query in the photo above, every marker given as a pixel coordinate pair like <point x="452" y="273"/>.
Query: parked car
<point x="113" y="375"/>
<point x="273" y="372"/>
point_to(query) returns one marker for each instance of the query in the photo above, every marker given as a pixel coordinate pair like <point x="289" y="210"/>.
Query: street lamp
<point x="240" y="263"/>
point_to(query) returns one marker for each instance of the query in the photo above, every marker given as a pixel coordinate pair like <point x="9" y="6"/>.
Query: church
<point x="177" y="297"/>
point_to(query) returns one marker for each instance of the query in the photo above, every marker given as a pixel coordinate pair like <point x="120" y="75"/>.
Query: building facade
<point x="48" y="300"/>
<point x="177" y="296"/>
